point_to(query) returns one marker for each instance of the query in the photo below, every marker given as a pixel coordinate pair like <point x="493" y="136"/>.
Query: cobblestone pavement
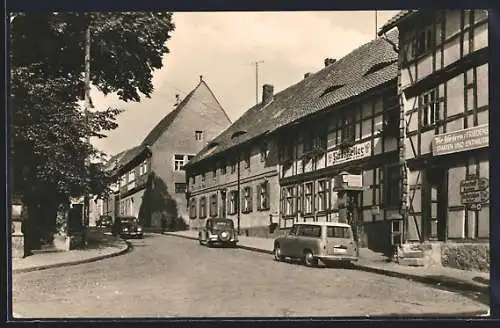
<point x="170" y="277"/>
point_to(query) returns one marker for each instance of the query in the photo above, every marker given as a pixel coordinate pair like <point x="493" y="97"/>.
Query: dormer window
<point x="198" y="135"/>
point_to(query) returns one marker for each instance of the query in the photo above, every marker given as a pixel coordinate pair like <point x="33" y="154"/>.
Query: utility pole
<point x="376" y="25"/>
<point x="257" y="79"/>
<point x="86" y="206"/>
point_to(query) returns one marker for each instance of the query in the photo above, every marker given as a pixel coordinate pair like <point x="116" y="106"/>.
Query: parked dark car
<point x="104" y="221"/>
<point x="130" y="227"/>
<point x="218" y="231"/>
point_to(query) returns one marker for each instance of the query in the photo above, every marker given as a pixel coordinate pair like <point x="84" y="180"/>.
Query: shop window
<point x="192" y="208"/>
<point x="263" y="198"/>
<point x="323" y="195"/>
<point x="308" y="198"/>
<point x="247" y="200"/>
<point x="429" y="106"/>
<point x="180" y="188"/>
<point x="213" y="205"/>
<point x="392" y="186"/>
<point x="203" y="207"/>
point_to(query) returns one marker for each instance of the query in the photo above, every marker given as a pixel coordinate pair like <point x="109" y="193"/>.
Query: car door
<point x="292" y="241"/>
<point x="285" y="242"/>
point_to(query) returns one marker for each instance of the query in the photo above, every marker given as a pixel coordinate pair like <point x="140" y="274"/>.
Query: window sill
<point x="263" y="209"/>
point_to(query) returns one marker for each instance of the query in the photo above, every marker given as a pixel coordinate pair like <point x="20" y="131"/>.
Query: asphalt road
<point x="166" y="276"/>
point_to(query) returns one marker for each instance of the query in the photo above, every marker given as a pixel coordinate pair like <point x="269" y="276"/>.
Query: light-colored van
<point x="313" y="241"/>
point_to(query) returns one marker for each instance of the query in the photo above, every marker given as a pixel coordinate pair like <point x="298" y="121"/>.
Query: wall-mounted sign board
<point x="358" y="151"/>
<point x="463" y="140"/>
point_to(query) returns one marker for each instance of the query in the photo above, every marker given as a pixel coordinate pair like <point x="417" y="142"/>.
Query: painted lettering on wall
<point x="358" y="151"/>
<point x="453" y="142"/>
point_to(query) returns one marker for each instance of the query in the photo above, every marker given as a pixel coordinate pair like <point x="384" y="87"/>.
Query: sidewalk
<point x="42" y="261"/>
<point x="373" y="262"/>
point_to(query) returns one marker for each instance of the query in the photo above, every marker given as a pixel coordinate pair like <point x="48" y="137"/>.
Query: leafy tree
<point x="47" y="84"/>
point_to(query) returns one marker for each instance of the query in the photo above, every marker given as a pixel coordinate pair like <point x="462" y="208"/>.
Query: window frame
<point x="323" y="195"/>
<point x="198" y="135"/>
<point x="203" y="207"/>
<point x="247" y="200"/>
<point x="308" y="198"/>
<point x="192" y="208"/>
<point x="213" y="205"/>
<point x="176" y="189"/>
<point x="263" y="194"/>
<point x="429" y="104"/>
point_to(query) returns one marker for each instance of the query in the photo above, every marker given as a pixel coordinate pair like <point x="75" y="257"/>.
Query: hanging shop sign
<point x="358" y="151"/>
<point x="457" y="141"/>
<point x="346" y="181"/>
<point x="474" y="191"/>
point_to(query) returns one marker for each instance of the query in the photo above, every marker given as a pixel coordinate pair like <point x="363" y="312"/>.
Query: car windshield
<point x="338" y="232"/>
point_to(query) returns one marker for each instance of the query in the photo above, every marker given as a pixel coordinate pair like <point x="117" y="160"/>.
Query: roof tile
<point x="305" y="97"/>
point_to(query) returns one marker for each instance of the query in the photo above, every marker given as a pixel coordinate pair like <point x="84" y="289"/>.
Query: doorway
<point x="435" y="203"/>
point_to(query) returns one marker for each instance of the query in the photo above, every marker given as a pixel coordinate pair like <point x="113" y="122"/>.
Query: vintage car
<point x="328" y="242"/>
<point x="130" y="227"/>
<point x="218" y="231"/>
<point x="104" y="221"/>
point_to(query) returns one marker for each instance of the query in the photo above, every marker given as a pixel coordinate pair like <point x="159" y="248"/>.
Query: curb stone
<point x="70" y="263"/>
<point x="422" y="279"/>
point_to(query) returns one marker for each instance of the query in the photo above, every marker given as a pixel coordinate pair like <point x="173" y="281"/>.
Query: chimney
<point x="177" y="100"/>
<point x="329" y="61"/>
<point x="201" y="78"/>
<point x="267" y="94"/>
<point x="307" y="75"/>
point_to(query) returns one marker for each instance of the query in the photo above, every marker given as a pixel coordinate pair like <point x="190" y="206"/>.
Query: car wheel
<point x="277" y="254"/>
<point x="309" y="259"/>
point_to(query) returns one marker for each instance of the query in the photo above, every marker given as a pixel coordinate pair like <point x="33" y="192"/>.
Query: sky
<point x="223" y="47"/>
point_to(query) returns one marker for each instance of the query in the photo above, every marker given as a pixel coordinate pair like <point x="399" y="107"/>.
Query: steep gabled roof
<point x="124" y="157"/>
<point x="312" y="94"/>
<point x="394" y="21"/>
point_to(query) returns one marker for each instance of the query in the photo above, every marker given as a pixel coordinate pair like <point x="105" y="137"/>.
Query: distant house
<point x="150" y="178"/>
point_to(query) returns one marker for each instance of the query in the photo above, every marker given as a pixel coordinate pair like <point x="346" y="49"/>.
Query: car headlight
<point x="125" y="229"/>
<point x="139" y="229"/>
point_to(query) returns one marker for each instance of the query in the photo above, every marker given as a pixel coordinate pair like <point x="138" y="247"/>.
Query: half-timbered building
<point x="323" y="149"/>
<point x="443" y="59"/>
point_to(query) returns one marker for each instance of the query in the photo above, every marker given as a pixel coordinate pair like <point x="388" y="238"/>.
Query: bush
<point x="466" y="257"/>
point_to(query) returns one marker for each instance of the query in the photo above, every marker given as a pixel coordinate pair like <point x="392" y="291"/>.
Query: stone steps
<point x="425" y="254"/>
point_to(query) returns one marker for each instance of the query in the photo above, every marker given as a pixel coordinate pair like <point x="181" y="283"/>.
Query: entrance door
<point x="435" y="211"/>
